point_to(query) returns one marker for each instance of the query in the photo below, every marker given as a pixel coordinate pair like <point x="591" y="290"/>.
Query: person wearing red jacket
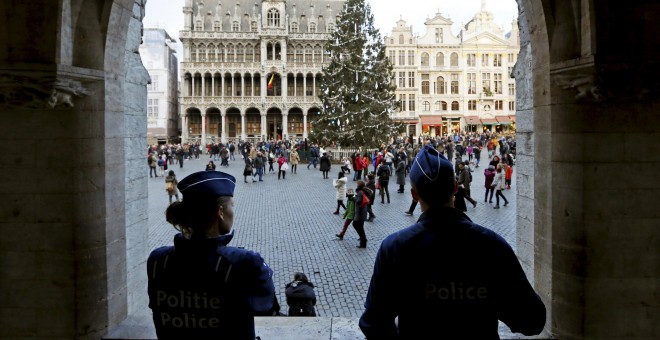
<point x="489" y="175"/>
<point x="508" y="175"/>
<point x="357" y="166"/>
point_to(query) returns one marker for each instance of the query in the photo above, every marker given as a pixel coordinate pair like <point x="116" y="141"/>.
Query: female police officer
<point x="200" y="288"/>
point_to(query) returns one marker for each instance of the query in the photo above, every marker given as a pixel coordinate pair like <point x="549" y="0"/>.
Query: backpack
<point x="365" y="197"/>
<point x="385" y="175"/>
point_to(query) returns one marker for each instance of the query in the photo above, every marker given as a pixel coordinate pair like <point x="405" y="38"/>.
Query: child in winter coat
<point x="508" y="175"/>
<point x="300" y="296"/>
<point x="349" y="214"/>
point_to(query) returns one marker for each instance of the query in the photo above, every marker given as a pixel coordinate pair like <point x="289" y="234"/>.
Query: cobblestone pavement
<point x="290" y="223"/>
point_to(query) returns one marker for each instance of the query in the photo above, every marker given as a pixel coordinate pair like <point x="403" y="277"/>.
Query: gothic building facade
<point x="251" y="70"/>
<point x="447" y="82"/>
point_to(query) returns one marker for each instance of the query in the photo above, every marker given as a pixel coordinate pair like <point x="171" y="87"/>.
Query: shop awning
<point x="431" y="120"/>
<point x="472" y="120"/>
<point x="503" y="119"/>
<point x="513" y="118"/>
<point x="488" y="121"/>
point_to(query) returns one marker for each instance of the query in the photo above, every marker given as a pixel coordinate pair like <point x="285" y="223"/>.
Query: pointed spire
<point x="483" y="5"/>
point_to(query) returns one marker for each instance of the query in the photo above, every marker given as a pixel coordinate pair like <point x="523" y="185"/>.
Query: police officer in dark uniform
<point x="200" y="288"/>
<point x="445" y="276"/>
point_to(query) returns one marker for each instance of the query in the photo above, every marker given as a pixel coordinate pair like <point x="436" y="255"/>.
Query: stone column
<point x="233" y="86"/>
<point x="222" y="86"/>
<point x="203" y="127"/>
<point x="295" y="85"/>
<point x="305" y="132"/>
<point x="203" y="87"/>
<point x="223" y="126"/>
<point x="314" y="85"/>
<point x="284" y="85"/>
<point x="304" y="85"/>
<point x="242" y="85"/>
<point x="243" y="134"/>
<point x="213" y="85"/>
<point x="263" y="124"/>
<point x="263" y="87"/>
<point x="285" y="129"/>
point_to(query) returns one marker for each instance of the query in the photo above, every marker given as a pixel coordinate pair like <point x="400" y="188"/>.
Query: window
<point x="273" y="18"/>
<point x="294" y="27"/>
<point x="198" y="25"/>
<point x="312" y="27"/>
<point x="411" y="102"/>
<point x="425" y="84"/>
<point x="512" y="90"/>
<point x="497" y="60"/>
<point x="411" y="57"/>
<point x="253" y="26"/>
<point x="512" y="106"/>
<point x="216" y="26"/>
<point x="444" y="105"/>
<point x="400" y="39"/>
<point x="440" y="59"/>
<point x="484" y="60"/>
<point x="427" y="106"/>
<point x="510" y="71"/>
<point x="402" y="58"/>
<point x="499" y="105"/>
<point x="331" y="27"/>
<point x="402" y="100"/>
<point x="402" y="79"/>
<point x="392" y="57"/>
<point x="454" y="83"/>
<point x="472" y="105"/>
<point x="201" y="53"/>
<point x="454" y="59"/>
<point x="230" y="53"/>
<point x="154" y="84"/>
<point x="235" y="27"/>
<point x="438" y="35"/>
<point x="471" y="60"/>
<point x="472" y="83"/>
<point x="498" y="83"/>
<point x="440" y="86"/>
<point x="511" y="58"/>
<point x="425" y="59"/>
<point x="485" y="82"/>
<point x="411" y="79"/>
<point x="454" y="106"/>
<point x="152" y="107"/>
<point x="438" y="106"/>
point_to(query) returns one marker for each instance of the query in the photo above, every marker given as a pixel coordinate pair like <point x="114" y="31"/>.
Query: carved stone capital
<point x="39" y="88"/>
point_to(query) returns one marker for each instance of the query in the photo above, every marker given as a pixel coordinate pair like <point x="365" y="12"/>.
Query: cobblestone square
<point x="290" y="223"/>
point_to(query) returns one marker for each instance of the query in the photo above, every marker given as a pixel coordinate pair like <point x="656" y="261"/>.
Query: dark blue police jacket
<point x="446" y="277"/>
<point x="203" y="289"/>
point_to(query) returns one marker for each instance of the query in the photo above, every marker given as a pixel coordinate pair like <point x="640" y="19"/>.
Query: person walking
<point x="340" y="187"/>
<point x="464" y="180"/>
<point x="383" y="173"/>
<point x="271" y="160"/>
<point x="349" y="213"/>
<point x="371" y="185"/>
<point x="489" y="176"/>
<point x="247" y="170"/>
<point x="283" y="166"/>
<point x="201" y="278"/>
<point x="210" y="166"/>
<point x="401" y="176"/>
<point x="361" y="203"/>
<point x="170" y="186"/>
<point x="152" y="161"/>
<point x="300" y="296"/>
<point x="324" y="165"/>
<point x="357" y="166"/>
<point x="508" y="174"/>
<point x="446" y="276"/>
<point x="294" y="159"/>
<point x="499" y="185"/>
<point x="258" y="167"/>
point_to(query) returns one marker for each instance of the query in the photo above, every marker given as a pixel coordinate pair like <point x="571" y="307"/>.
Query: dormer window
<point x="235" y="27"/>
<point x="312" y="27"/>
<point x="400" y="39"/>
<point x="253" y="26"/>
<point x="331" y="27"/>
<point x="216" y="26"/>
<point x="294" y="27"/>
<point x="198" y="25"/>
<point x="273" y="18"/>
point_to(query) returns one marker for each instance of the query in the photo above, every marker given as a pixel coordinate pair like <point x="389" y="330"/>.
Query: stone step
<point x="283" y="328"/>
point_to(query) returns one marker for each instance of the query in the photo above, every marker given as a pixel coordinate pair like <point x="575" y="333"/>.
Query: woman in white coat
<point x="499" y="185"/>
<point x="340" y="186"/>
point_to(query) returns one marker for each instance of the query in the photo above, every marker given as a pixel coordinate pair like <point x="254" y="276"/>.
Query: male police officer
<point x="201" y="288"/>
<point x="445" y="276"/>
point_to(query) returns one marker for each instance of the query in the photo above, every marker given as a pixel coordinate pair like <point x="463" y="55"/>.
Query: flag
<point x="270" y="82"/>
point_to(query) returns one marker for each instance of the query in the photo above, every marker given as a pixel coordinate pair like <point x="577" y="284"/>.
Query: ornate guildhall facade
<point x="251" y="69"/>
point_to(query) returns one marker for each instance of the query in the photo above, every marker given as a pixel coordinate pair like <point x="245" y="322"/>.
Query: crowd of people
<point x="235" y="284"/>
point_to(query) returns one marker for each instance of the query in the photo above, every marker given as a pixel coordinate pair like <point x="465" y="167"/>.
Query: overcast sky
<point x="168" y="14"/>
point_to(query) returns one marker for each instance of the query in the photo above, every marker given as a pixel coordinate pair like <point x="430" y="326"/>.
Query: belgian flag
<point x="270" y="82"/>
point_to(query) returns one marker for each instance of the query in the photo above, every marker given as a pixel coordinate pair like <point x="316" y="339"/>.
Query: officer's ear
<point x="221" y="213"/>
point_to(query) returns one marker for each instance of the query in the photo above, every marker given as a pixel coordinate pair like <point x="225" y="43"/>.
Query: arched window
<point x="427" y="106"/>
<point x="444" y="105"/>
<point x="440" y="59"/>
<point x="454" y="60"/>
<point x="230" y="53"/>
<point x="273" y="18"/>
<point x="401" y="39"/>
<point x="240" y="53"/>
<point x="454" y="106"/>
<point x="235" y="27"/>
<point x="425" y="59"/>
<point x="438" y="106"/>
<point x="211" y="53"/>
<point x="201" y="56"/>
<point x="440" y="87"/>
<point x="312" y="27"/>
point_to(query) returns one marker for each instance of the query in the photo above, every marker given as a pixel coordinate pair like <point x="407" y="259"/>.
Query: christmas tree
<point x="357" y="91"/>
